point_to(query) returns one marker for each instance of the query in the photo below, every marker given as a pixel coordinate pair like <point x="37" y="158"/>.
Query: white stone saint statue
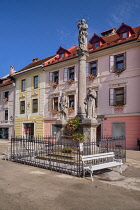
<point x="63" y="108"/>
<point x="82" y="37"/>
<point x="90" y="104"/>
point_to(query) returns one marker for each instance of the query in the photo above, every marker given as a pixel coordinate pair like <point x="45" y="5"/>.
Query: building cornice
<point x="122" y="115"/>
<point x="26" y="70"/>
<point x="61" y="64"/>
<point x="113" y="49"/>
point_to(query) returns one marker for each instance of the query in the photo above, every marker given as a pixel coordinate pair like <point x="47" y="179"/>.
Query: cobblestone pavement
<point x="31" y="188"/>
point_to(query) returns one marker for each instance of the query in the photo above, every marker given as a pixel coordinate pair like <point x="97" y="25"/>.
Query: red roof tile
<point x="108" y="41"/>
<point x="36" y="63"/>
<point x="6" y="82"/>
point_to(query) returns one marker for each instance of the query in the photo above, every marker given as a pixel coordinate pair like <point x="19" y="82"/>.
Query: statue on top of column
<point x="90" y="104"/>
<point x="82" y="37"/>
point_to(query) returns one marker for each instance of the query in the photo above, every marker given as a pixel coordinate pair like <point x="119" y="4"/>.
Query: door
<point x="28" y="130"/>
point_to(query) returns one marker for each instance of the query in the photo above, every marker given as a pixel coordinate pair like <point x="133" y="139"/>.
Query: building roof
<point x="6" y="82"/>
<point x="107" y="41"/>
<point x="115" y="40"/>
<point x="36" y="63"/>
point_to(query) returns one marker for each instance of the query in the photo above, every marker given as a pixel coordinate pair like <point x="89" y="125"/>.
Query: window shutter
<point x="65" y="74"/>
<point x="50" y="104"/>
<point x="111" y="96"/>
<point x="97" y="67"/>
<point x="87" y="69"/>
<point x="125" y="60"/>
<point x="112" y="64"/>
<point x="124" y="95"/>
<point x="50" y="77"/>
<point x="96" y="100"/>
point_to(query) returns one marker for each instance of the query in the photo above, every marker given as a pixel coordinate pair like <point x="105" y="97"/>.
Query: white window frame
<point x="112" y="62"/>
<point x="112" y="96"/>
<point x="66" y="73"/>
<point x="51" y="77"/>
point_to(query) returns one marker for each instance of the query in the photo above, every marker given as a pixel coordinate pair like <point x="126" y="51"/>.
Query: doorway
<point x="28" y="130"/>
<point x="4" y="133"/>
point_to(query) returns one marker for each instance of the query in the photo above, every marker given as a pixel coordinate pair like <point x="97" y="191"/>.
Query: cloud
<point x="67" y="38"/>
<point x="123" y="12"/>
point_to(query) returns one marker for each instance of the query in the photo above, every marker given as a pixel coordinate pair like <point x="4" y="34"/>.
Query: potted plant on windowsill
<point x="119" y="71"/>
<point x="70" y="81"/>
<point x="119" y="103"/>
<point x="54" y="84"/>
<point x="91" y="77"/>
<point x="5" y="100"/>
<point x="54" y="111"/>
<point x="70" y="109"/>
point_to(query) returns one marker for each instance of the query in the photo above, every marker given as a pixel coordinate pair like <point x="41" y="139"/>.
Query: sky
<point x="37" y="28"/>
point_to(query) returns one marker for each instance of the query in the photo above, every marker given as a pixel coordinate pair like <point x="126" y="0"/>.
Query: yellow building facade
<point x="29" y="99"/>
<point x="28" y="103"/>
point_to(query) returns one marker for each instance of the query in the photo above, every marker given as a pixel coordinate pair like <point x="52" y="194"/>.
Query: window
<point x="35" y="82"/>
<point x="6" y="114"/>
<point x="96" y="44"/>
<point x="23" y="85"/>
<point x="35" y="105"/>
<point x="6" y="96"/>
<point x="118" y="129"/>
<point x="62" y="55"/>
<point x="71" y="101"/>
<point x="55" y="103"/>
<point x="124" y="35"/>
<point x="117" y="96"/>
<point x="69" y="73"/>
<point x="22" y="107"/>
<point x="91" y="68"/>
<point x="54" y="77"/>
<point x="117" y="62"/>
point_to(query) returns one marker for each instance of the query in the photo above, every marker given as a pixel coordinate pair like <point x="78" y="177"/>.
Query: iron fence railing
<point x="62" y="156"/>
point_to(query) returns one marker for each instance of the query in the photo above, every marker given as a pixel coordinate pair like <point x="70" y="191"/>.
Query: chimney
<point x="12" y="70"/>
<point x="109" y="32"/>
<point x="34" y="59"/>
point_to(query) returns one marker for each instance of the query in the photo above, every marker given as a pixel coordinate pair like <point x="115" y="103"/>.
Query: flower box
<point x="54" y="84"/>
<point x="91" y="77"/>
<point x="70" y="109"/>
<point x="119" y="71"/>
<point x="70" y="81"/>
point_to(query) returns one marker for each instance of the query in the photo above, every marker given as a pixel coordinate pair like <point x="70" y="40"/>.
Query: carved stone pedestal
<point x="89" y="129"/>
<point x="60" y="125"/>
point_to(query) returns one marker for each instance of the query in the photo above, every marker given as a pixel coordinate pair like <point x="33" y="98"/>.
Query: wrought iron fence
<point x="62" y="156"/>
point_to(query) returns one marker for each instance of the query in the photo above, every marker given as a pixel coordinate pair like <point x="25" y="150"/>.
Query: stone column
<point x="81" y="86"/>
<point x="82" y="54"/>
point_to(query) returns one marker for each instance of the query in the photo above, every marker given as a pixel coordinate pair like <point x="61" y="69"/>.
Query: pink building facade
<point x="113" y="70"/>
